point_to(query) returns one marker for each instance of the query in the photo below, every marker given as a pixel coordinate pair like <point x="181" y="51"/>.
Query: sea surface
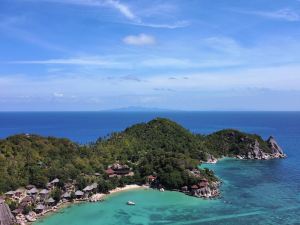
<point x="253" y="192"/>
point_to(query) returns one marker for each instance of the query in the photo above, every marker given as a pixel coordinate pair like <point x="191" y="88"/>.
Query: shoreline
<point x="99" y="196"/>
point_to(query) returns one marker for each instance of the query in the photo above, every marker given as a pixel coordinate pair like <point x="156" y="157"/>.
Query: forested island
<point x="160" y="154"/>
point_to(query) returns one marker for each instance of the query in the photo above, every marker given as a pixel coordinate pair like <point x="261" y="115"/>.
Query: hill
<point x="159" y="148"/>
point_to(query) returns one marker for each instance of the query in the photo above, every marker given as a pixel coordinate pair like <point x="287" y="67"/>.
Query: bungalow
<point x="32" y="191"/>
<point x="66" y="195"/>
<point x="79" y="194"/>
<point x="50" y="201"/>
<point x="69" y="187"/>
<point x="109" y="172"/>
<point x="90" y="188"/>
<point x="30" y="186"/>
<point x="44" y="192"/>
<point x="39" y="208"/>
<point x="10" y="194"/>
<point x="52" y="183"/>
<point x="19" y="192"/>
<point x="151" y="178"/>
<point x="27" y="200"/>
<point x="55" y="181"/>
<point x="17" y="211"/>
<point x="184" y="189"/>
<point x="194" y="187"/>
<point x="120" y="169"/>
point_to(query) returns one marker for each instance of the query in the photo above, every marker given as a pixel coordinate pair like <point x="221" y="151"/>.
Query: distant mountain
<point x="140" y="109"/>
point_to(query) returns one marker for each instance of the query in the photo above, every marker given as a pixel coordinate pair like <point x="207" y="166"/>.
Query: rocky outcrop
<point x="272" y="143"/>
<point x="257" y="152"/>
<point x="206" y="190"/>
<point x="211" y="159"/>
<point x="6" y="217"/>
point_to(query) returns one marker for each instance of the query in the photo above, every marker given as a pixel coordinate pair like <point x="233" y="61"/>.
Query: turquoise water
<point x="249" y="197"/>
<point x="253" y="192"/>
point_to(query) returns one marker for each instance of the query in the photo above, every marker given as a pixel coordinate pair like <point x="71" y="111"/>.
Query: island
<point x="38" y="174"/>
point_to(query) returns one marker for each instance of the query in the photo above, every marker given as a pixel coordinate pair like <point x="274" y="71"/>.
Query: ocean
<point x="253" y="192"/>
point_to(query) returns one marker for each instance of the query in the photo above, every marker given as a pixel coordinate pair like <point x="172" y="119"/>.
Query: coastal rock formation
<point x="272" y="143"/>
<point x="6" y="217"/>
<point x="207" y="191"/>
<point x="257" y="152"/>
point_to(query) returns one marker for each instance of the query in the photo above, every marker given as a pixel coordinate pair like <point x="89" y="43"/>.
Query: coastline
<point x="99" y="196"/>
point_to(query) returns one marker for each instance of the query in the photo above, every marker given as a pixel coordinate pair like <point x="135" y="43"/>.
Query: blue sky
<point x="176" y="54"/>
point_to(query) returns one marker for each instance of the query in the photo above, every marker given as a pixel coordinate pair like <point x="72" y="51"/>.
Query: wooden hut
<point x="39" y="208"/>
<point x="50" y="201"/>
<point x="32" y="191"/>
<point x="10" y="194"/>
<point x="79" y="194"/>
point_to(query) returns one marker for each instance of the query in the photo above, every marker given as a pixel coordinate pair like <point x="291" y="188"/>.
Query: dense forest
<point x="160" y="147"/>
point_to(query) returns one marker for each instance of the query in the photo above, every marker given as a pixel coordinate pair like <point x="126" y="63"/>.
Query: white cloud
<point x="121" y="7"/>
<point x="89" y="61"/>
<point x="58" y="94"/>
<point x="285" y="14"/>
<point x="135" y="18"/>
<point x="178" y="24"/>
<point x="124" y="9"/>
<point x="141" y="39"/>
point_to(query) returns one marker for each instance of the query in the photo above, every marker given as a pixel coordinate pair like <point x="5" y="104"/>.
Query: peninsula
<point x="38" y="173"/>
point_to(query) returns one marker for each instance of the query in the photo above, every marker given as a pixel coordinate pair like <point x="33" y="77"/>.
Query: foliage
<point x="160" y="147"/>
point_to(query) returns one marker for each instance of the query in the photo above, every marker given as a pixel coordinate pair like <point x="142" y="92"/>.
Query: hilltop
<point x="160" y="148"/>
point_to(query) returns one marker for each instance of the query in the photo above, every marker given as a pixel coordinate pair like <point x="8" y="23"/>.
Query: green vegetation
<point x="160" y="147"/>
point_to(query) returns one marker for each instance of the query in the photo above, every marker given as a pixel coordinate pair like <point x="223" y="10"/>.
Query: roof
<point x="40" y="207"/>
<point x="33" y="191"/>
<point x="87" y="188"/>
<point x="17" y="211"/>
<point x="56" y="180"/>
<point x="109" y="171"/>
<point x="44" y="192"/>
<point x="29" y="186"/>
<point x="79" y="193"/>
<point x="20" y="190"/>
<point x="194" y="187"/>
<point x="50" y="200"/>
<point x="91" y="187"/>
<point x="10" y="193"/>
<point x="27" y="199"/>
<point x="66" y="195"/>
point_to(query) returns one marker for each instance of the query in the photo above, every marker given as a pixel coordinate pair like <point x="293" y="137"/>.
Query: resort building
<point x="79" y="194"/>
<point x="118" y="170"/>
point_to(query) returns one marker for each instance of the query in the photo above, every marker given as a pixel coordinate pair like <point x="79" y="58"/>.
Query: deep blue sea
<point x="253" y="192"/>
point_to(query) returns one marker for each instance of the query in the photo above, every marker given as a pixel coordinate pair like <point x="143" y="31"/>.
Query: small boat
<point x="162" y="190"/>
<point x="130" y="203"/>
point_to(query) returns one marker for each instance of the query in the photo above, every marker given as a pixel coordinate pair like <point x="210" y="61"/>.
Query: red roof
<point x="109" y="171"/>
<point x="151" y="177"/>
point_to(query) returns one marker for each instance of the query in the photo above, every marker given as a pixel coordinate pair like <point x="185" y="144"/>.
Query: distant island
<point x="140" y="109"/>
<point x="39" y="173"/>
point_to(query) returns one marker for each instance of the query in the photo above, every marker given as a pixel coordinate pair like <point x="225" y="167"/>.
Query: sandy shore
<point x="97" y="196"/>
<point x="127" y="188"/>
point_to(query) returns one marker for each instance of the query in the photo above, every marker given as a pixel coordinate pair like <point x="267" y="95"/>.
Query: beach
<point x="94" y="198"/>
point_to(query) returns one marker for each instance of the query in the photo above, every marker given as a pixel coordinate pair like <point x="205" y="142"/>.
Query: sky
<point x="86" y="55"/>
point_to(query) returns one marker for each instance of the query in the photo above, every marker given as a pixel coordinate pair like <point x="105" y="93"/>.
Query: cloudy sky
<point x="176" y="54"/>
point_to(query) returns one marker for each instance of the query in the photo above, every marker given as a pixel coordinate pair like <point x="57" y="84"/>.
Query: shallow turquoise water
<point x="253" y="192"/>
